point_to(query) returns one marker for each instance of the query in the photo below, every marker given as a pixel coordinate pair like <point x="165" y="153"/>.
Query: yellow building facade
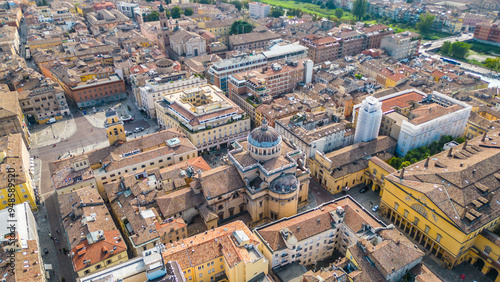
<point x="448" y="200"/>
<point x="342" y="169"/>
<point x="16" y="185"/>
<point x="226" y="253"/>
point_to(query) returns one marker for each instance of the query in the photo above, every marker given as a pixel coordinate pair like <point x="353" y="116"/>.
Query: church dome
<point x="264" y="136"/>
<point x="285" y="183"/>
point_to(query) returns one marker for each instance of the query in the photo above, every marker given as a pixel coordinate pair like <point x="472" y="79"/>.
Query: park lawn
<point x="307" y="8"/>
<point x="486" y="49"/>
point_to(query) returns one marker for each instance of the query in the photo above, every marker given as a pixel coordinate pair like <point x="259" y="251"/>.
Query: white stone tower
<point x="369" y="119"/>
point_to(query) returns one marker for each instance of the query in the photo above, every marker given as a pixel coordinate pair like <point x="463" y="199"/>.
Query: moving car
<point x="375" y="208"/>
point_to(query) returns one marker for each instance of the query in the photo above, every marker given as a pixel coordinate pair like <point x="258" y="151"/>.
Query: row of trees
<point x="456" y="49"/>
<point x="423" y="152"/>
<point x="175" y="13"/>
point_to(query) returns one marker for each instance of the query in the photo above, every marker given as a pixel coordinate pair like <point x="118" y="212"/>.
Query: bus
<point x="453" y="62"/>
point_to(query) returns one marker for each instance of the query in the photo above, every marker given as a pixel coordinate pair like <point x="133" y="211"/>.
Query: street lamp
<point x="52" y="129"/>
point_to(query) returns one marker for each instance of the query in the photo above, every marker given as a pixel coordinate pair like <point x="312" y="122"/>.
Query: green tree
<point x="42" y="3"/>
<point x="405" y="164"/>
<point x="153" y="16"/>
<point x="445" y="49"/>
<point x="188" y="12"/>
<point x="276" y="12"/>
<point x="240" y="27"/>
<point x="359" y="9"/>
<point x="205" y="1"/>
<point x="460" y="49"/>
<point x="237" y="5"/>
<point x="492" y="63"/>
<point x="425" y="22"/>
<point x="339" y="13"/>
<point x="460" y="140"/>
<point x="330" y="4"/>
<point x="176" y="12"/>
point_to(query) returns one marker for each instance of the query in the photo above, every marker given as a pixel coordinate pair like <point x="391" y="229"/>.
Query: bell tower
<point x="114" y="127"/>
<point x="164" y="30"/>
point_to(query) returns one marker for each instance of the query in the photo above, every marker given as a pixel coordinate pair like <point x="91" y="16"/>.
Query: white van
<point x="52" y="120"/>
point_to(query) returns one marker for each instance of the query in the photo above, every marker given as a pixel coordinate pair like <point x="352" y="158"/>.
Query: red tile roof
<point x="112" y="241"/>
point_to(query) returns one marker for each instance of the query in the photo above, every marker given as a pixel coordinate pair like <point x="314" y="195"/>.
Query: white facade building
<point x="443" y="116"/>
<point x="155" y="88"/>
<point x="187" y="44"/>
<point x="369" y="119"/>
<point x="401" y="45"/>
<point x="259" y="10"/>
<point x="128" y="9"/>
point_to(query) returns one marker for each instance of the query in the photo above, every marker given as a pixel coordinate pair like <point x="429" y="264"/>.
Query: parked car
<point x="375" y="208"/>
<point x="128" y="133"/>
<point x="51" y="120"/>
<point x="138" y="129"/>
<point x="363" y="190"/>
<point x="45" y="250"/>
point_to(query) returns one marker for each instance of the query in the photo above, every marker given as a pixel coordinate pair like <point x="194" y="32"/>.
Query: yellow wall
<point x="116" y="259"/>
<point x="479" y="246"/>
<point x="16" y="193"/>
<point x="453" y="241"/>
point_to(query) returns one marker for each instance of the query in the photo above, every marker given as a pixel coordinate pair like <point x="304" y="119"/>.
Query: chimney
<point x="427" y="162"/>
<point x="466" y="210"/>
<point x="402" y="173"/>
<point x="465" y="144"/>
<point x="450" y="152"/>
<point x="484" y="137"/>
<point x="490" y="196"/>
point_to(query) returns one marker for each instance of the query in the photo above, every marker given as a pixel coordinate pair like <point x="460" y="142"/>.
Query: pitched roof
<point x="111" y="245"/>
<point x="460" y="183"/>
<point x="178" y="201"/>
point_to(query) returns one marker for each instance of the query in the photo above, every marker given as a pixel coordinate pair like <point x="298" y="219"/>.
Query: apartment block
<point x="316" y="131"/>
<point x="322" y="49"/>
<point x="94" y="240"/>
<point x="220" y="28"/>
<point x="158" y="85"/>
<point x="346" y="43"/>
<point x="219" y="72"/>
<point x="208" y="118"/>
<point x="259" y="10"/>
<point x="488" y="33"/>
<point x="269" y="82"/>
<point x="402" y="45"/>
<point x="229" y="252"/>
<point x="20" y="245"/>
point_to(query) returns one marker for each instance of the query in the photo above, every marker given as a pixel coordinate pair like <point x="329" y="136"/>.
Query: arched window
<point x="220" y="207"/>
<point x="420" y="209"/>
